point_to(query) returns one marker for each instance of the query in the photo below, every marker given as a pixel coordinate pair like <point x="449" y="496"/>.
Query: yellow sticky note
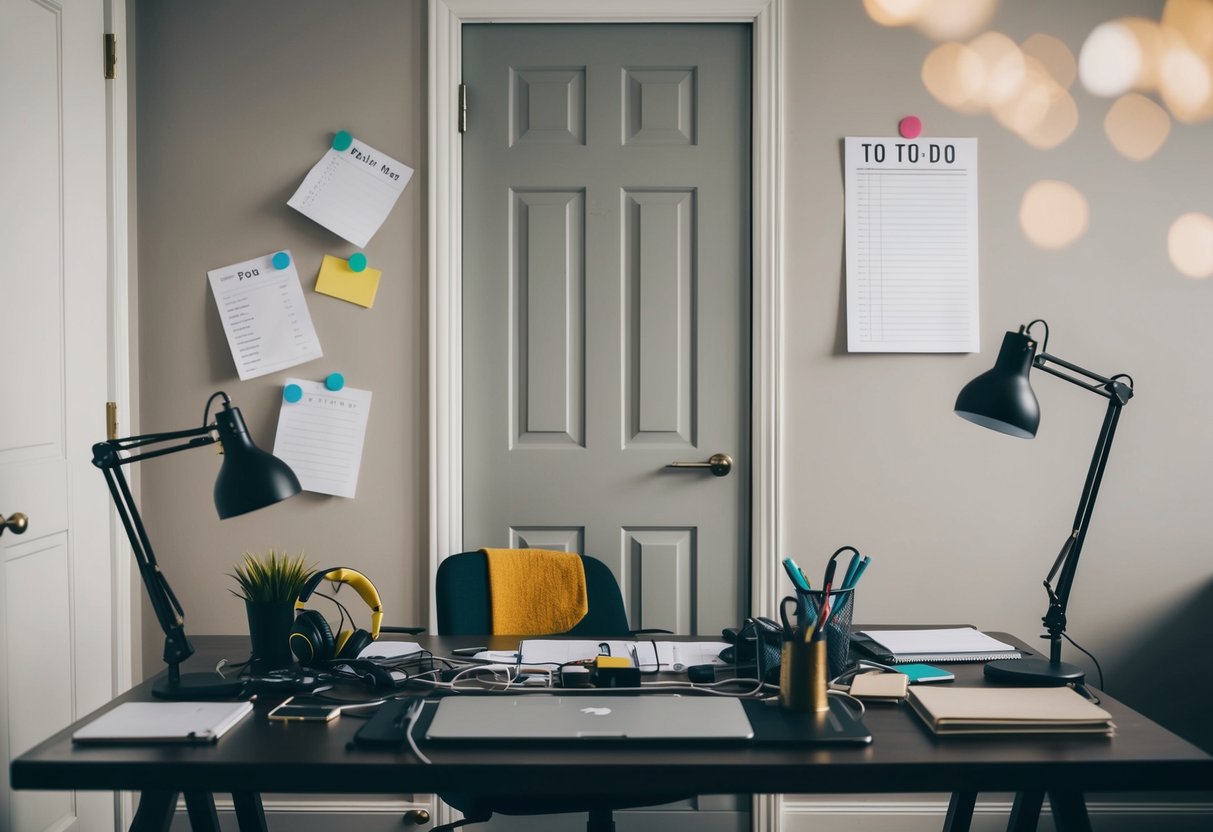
<point x="340" y="281"/>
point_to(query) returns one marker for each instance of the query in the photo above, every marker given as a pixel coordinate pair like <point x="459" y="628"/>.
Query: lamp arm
<point x="168" y="610"/>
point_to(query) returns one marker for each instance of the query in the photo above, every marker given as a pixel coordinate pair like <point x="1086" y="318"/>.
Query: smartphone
<point x="303" y="711"/>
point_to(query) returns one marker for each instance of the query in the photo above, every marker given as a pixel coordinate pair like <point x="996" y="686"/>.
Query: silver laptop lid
<point x="547" y="717"/>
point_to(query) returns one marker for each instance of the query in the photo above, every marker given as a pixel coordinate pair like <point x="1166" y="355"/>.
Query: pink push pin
<point x="910" y="127"/>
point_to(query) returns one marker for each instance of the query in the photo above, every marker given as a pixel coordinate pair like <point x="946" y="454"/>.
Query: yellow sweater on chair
<point x="536" y="591"/>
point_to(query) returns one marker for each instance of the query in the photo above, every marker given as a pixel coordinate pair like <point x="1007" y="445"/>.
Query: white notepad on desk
<point x="950" y="644"/>
<point x="164" y="722"/>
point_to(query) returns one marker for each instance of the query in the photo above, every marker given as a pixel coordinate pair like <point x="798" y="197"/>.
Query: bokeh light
<point x="895" y="12"/>
<point x="1190" y="244"/>
<point x="1053" y="214"/>
<point x="954" y="19"/>
<point x="1058" y="124"/>
<point x="1003" y="66"/>
<point x="1110" y="60"/>
<point x="1194" y="20"/>
<point x="1136" y="126"/>
<point x="1054" y="56"/>
<point x="955" y="75"/>
<point x="1185" y="84"/>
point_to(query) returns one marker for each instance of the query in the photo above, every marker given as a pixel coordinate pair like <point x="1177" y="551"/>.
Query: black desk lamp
<point x="249" y="479"/>
<point x="1002" y="399"/>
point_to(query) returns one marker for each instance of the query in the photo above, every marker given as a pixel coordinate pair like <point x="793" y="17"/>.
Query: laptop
<point x="559" y="718"/>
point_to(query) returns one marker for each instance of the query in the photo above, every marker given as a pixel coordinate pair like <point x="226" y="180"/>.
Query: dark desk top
<point x="259" y="755"/>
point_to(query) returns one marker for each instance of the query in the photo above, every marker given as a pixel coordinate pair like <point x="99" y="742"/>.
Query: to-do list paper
<point x="264" y="315"/>
<point x="911" y="238"/>
<point x="351" y="189"/>
<point x="321" y="436"/>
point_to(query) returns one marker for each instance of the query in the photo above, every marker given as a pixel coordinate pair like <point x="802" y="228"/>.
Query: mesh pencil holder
<point x="838" y="628"/>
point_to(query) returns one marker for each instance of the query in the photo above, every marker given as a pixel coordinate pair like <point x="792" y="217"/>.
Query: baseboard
<point x="876" y="815"/>
<point x="304" y="814"/>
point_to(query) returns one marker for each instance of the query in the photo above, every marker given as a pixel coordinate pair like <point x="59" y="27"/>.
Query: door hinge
<point x="111" y="420"/>
<point x="463" y="108"/>
<point x="111" y="56"/>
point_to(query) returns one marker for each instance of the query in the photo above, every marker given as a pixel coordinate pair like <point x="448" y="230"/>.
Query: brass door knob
<point x="418" y="817"/>
<point x="719" y="464"/>
<point x="16" y="521"/>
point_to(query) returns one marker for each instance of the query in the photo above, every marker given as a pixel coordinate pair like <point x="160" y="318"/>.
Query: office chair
<point x="464" y="607"/>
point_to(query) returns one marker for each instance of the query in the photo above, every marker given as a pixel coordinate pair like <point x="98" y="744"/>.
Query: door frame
<point x="445" y="241"/>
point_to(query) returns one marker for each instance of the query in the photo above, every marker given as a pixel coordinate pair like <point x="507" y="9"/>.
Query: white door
<point x="56" y="617"/>
<point x="606" y="297"/>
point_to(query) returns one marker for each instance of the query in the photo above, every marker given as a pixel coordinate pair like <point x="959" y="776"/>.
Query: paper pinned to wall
<point x="264" y="315"/>
<point x="911" y="240"/>
<point x="351" y="191"/>
<point x="321" y="436"/>
<point x="338" y="280"/>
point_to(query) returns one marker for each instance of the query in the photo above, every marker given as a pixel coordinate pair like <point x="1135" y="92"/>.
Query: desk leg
<point x="960" y="812"/>
<point x="1069" y="811"/>
<point x="1025" y="812"/>
<point x="201" y="808"/>
<point x="155" y="812"/>
<point x="250" y="816"/>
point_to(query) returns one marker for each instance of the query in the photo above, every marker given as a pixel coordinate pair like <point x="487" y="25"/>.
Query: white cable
<point x="414" y="715"/>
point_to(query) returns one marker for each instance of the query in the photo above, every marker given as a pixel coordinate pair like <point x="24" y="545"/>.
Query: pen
<point x="850" y="573"/>
<point x="795" y="574"/>
<point x="863" y="564"/>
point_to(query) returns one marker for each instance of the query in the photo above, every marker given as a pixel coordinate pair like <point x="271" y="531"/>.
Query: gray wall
<point x="236" y="100"/>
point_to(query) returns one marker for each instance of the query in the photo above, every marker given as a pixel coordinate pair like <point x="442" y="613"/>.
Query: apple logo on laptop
<point x="596" y="711"/>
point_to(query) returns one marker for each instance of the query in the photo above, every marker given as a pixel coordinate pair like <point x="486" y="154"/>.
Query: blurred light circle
<point x="1058" y="124"/>
<point x="954" y="74"/>
<point x="1110" y="60"/>
<point x="1025" y="111"/>
<point x="1190" y="244"/>
<point x="1151" y="40"/>
<point x="1185" y="84"/>
<point x="1003" y="66"/>
<point x="1136" y="126"/>
<point x="1054" y="56"/>
<point x="895" y="12"/>
<point x="954" y="19"/>
<point x="1053" y="214"/>
<point x="1194" y="20"/>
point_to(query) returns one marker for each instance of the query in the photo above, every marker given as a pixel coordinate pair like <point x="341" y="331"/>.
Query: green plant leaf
<point x="270" y="577"/>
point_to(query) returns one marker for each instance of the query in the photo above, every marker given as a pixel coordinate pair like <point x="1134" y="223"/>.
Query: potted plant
<point x="269" y="585"/>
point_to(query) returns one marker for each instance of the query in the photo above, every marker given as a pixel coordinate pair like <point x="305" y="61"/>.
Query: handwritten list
<point x="321" y="436"/>
<point x="911" y="240"/>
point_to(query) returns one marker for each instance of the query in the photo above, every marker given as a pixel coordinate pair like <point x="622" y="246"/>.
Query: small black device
<point x="467" y="651"/>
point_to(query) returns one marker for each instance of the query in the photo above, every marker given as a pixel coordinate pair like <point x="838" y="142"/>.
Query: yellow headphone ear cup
<point x="342" y="638"/>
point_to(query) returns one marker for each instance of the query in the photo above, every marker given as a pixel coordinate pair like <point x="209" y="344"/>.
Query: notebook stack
<point x="992" y="711"/>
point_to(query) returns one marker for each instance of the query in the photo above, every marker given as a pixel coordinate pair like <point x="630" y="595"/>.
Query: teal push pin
<point x="334" y="381"/>
<point x="342" y="141"/>
<point x="357" y="262"/>
<point x="292" y="393"/>
<point x="281" y="260"/>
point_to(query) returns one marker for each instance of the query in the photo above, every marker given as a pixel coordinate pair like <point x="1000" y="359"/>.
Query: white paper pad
<point x="321" y="436"/>
<point x="952" y="640"/>
<point x="390" y="650"/>
<point x="350" y="192"/>
<point x="911" y="240"/>
<point x="164" y="722"/>
<point x="264" y="316"/>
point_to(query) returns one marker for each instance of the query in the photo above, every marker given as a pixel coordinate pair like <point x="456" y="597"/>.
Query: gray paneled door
<point x="606" y="297"/>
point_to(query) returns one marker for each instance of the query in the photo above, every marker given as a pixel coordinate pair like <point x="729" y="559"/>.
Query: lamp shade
<point x="1002" y="398"/>
<point x="249" y="478"/>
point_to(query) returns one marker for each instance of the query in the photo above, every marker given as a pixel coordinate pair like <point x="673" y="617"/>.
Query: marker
<point x="863" y="564"/>
<point x="468" y="651"/>
<point x="798" y="579"/>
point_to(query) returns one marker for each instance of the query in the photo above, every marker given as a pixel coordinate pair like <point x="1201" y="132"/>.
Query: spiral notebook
<point x="950" y="644"/>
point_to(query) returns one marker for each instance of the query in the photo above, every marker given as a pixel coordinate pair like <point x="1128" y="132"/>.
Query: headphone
<point x="311" y="637"/>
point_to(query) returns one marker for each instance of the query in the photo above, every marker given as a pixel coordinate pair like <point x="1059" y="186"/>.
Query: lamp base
<point x="1034" y="672"/>
<point x="199" y="686"/>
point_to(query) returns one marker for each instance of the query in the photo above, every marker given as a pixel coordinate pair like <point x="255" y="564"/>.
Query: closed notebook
<point x="164" y="722"/>
<point x="945" y="644"/>
<point x="1062" y="710"/>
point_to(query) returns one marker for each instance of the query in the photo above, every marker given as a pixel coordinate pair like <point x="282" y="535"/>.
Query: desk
<point x="258" y="756"/>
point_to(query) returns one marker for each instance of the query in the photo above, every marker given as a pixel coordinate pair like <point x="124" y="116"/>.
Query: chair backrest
<point x="465" y="605"/>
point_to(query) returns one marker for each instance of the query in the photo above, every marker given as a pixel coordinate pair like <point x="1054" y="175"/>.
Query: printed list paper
<point x="911" y="238"/>
<point x="321" y="436"/>
<point x="264" y="316"/>
<point x="351" y="191"/>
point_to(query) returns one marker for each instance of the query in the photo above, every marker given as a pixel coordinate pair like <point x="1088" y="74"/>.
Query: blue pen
<point x="863" y="564"/>
<point x="793" y="571"/>
<point x="849" y="577"/>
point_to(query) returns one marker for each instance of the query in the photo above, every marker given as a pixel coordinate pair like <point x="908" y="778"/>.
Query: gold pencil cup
<point x="802" y="676"/>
